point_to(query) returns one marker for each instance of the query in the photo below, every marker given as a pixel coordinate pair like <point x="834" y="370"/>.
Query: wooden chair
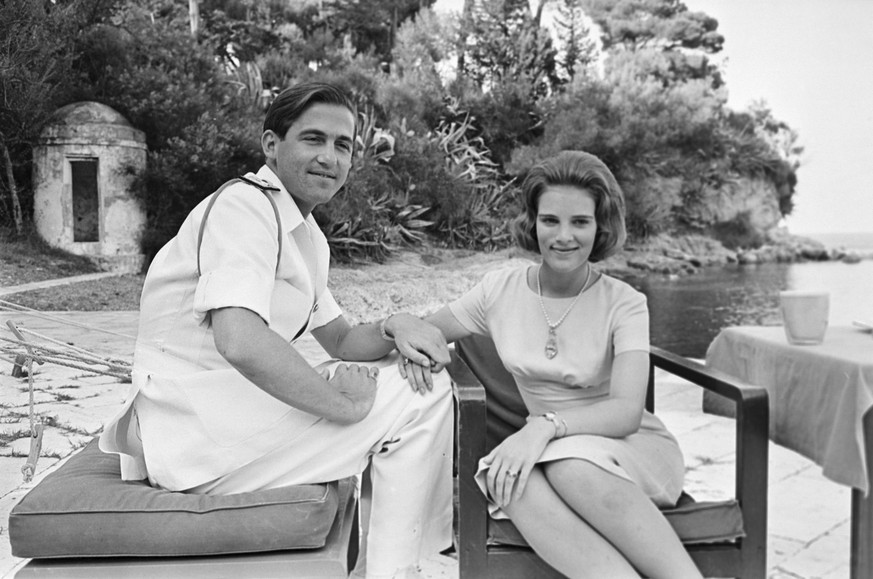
<point x="725" y="538"/>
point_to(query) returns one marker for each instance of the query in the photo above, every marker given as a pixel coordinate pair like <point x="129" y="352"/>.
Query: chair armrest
<point x="472" y="513"/>
<point x="708" y="378"/>
<point x="752" y="433"/>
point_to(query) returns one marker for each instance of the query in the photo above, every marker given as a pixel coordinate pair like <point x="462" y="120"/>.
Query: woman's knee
<point x="599" y="485"/>
<point x="596" y="494"/>
<point x="574" y="469"/>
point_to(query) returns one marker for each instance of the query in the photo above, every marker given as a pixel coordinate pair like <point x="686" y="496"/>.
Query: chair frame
<point x="745" y="557"/>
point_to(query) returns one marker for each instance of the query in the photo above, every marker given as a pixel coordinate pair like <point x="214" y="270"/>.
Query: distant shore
<point x="686" y="254"/>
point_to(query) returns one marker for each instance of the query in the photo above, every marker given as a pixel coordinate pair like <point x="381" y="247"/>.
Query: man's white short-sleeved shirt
<point x="238" y="268"/>
<point x="181" y="384"/>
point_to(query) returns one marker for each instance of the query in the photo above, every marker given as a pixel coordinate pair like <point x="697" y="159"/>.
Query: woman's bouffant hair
<point x="292" y="102"/>
<point x="575" y="169"/>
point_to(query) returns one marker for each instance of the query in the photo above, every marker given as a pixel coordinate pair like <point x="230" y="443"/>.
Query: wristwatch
<point x="560" y="424"/>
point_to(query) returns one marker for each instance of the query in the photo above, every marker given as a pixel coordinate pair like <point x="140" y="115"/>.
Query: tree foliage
<point x="502" y="43"/>
<point x="34" y="80"/>
<point x="575" y="35"/>
<point x="685" y="37"/>
<point x="455" y="110"/>
<point x="372" y="24"/>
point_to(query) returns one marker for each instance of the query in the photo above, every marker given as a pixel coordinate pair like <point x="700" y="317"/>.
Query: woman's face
<point x="566" y="227"/>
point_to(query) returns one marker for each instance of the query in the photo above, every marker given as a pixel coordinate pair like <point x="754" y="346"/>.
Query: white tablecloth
<point x="818" y="394"/>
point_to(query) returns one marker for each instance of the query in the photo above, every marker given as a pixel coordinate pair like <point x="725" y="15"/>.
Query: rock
<point x="697" y="250"/>
<point x="747" y="258"/>
<point x="754" y="199"/>
<point x="660" y="264"/>
<point x="851" y="257"/>
<point x="676" y="254"/>
<point x="814" y="253"/>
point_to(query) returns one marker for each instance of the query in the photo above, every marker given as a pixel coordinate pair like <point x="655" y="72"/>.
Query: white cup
<point x="805" y="315"/>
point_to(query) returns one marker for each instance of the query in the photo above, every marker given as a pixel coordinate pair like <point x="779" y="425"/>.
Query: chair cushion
<point x="84" y="509"/>
<point x="694" y="523"/>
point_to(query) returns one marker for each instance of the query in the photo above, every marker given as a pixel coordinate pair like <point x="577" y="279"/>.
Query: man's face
<point x="314" y="157"/>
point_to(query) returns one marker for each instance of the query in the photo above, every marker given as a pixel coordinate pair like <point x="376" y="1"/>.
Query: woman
<point x="584" y="478"/>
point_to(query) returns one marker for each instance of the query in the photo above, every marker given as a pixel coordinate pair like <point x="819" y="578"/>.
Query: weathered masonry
<point x="83" y="167"/>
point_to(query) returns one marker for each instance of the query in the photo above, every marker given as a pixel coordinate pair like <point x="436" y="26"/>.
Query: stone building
<point x="83" y="167"/>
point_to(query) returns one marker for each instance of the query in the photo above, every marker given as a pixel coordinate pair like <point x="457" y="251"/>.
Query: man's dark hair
<point x="294" y="101"/>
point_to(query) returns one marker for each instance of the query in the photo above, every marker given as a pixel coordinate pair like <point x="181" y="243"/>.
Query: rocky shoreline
<point x="687" y="254"/>
<point x="422" y="280"/>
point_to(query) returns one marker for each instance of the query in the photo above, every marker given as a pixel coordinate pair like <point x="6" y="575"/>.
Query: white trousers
<point x="408" y="438"/>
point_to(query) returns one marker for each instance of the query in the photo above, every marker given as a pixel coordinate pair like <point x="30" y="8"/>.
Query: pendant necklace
<point x="552" y="341"/>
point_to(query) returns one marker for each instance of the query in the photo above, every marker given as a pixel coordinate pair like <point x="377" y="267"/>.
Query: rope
<point x="12" y="307"/>
<point x="36" y="430"/>
<point x="43" y="354"/>
<point x="27" y="352"/>
<point x="84" y="354"/>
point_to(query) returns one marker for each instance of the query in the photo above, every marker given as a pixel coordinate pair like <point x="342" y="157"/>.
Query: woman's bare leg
<point x="560" y="537"/>
<point x="620" y="511"/>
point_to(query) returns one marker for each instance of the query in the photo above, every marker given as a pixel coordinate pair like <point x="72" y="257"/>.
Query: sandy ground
<point x="417" y="283"/>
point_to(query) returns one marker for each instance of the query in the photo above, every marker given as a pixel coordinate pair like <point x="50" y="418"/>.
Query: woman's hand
<point x="421" y="344"/>
<point x="513" y="460"/>
<point x="418" y="376"/>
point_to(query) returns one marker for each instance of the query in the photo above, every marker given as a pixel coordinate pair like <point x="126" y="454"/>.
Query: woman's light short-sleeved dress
<point x="610" y="318"/>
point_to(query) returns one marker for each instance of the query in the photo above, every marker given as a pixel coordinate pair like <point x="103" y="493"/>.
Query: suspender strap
<point x="266" y="190"/>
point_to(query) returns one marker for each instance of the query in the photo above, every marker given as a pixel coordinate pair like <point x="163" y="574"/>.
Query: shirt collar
<point x="288" y="210"/>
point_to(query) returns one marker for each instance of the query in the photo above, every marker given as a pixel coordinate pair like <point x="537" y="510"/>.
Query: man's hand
<point x="358" y="384"/>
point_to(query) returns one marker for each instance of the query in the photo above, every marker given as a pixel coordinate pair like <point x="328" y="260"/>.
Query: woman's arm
<point x="415" y="339"/>
<point x="448" y="324"/>
<point x="619" y="414"/>
<point x="616" y="416"/>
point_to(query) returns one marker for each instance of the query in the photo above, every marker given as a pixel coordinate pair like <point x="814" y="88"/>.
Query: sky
<point x="812" y="62"/>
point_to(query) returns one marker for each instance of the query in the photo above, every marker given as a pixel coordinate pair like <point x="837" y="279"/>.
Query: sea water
<point x="687" y="312"/>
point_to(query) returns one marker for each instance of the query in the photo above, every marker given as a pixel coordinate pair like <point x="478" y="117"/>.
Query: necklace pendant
<point x="552" y="344"/>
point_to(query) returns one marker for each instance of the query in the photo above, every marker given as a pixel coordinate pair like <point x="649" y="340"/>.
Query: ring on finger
<point x="405" y="361"/>
<point x="511" y="474"/>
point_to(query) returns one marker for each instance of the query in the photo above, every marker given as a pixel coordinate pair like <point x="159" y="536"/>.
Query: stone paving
<point x="808" y="514"/>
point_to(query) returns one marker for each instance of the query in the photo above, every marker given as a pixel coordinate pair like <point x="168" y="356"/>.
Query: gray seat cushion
<point x="694" y="523"/>
<point x="84" y="509"/>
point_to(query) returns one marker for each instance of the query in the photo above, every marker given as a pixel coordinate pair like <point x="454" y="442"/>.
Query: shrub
<point x="370" y="215"/>
<point x="189" y="167"/>
<point x="452" y="173"/>
<point x="414" y="92"/>
<point x="357" y="220"/>
<point x="505" y="117"/>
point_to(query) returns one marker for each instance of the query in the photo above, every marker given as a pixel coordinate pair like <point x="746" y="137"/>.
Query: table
<point x="820" y="406"/>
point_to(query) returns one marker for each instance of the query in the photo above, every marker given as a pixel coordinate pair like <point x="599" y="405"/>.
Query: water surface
<point x="688" y="312"/>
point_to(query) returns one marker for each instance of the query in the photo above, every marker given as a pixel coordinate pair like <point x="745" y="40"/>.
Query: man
<point x="221" y="401"/>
